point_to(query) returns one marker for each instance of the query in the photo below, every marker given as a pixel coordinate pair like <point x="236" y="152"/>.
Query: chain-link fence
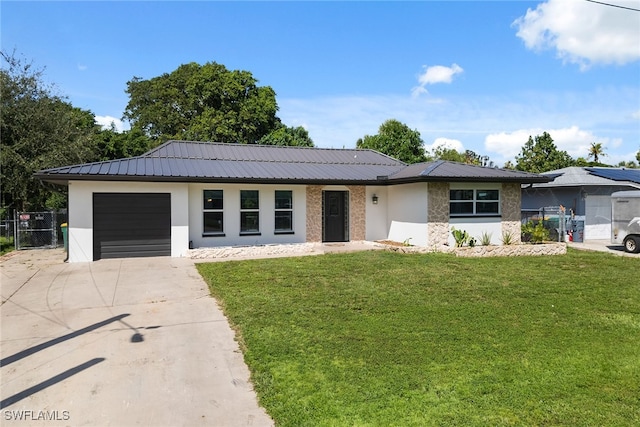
<point x="30" y="230"/>
<point x="7" y="229"/>
<point x="36" y="230"/>
<point x="7" y="233"/>
<point x="551" y="218"/>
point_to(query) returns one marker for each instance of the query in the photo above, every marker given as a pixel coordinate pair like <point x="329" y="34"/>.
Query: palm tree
<point x="596" y="150"/>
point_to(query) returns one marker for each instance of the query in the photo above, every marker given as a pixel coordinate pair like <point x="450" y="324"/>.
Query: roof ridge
<point x="232" y="159"/>
<point x="256" y="145"/>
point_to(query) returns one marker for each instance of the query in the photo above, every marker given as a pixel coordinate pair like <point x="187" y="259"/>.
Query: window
<point x="284" y="212"/>
<point x="213" y="217"/>
<point x="474" y="202"/>
<point x="249" y="212"/>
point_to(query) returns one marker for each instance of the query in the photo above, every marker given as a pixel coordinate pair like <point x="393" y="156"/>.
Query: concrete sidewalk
<point x="117" y="343"/>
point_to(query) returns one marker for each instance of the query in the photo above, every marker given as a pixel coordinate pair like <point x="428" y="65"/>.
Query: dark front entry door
<point x="335" y="216"/>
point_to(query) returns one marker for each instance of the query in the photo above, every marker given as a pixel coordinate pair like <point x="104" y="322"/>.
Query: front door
<point x="335" y="216"/>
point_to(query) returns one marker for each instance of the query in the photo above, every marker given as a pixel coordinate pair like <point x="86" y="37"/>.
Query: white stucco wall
<point x="231" y="215"/>
<point x="475" y="227"/>
<point x="80" y="231"/>
<point x="407" y="213"/>
<point x="377" y="223"/>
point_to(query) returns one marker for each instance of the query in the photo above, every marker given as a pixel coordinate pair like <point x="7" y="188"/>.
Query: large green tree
<point x="204" y="103"/>
<point x="112" y="144"/>
<point x="397" y="140"/>
<point x="540" y="154"/>
<point x="39" y="130"/>
<point x="285" y="135"/>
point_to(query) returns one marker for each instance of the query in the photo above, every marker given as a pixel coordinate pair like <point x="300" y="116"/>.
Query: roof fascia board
<point x="61" y="179"/>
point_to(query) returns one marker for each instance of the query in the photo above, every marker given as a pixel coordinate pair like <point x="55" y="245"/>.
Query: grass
<point x="379" y="338"/>
<point x="6" y="245"/>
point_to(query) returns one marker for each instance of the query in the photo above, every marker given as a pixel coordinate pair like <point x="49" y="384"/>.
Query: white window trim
<point x="290" y="230"/>
<point x="205" y="210"/>
<point x="475" y="200"/>
<point x="256" y="210"/>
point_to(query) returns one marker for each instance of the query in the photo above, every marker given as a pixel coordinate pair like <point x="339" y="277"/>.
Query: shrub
<point x="534" y="232"/>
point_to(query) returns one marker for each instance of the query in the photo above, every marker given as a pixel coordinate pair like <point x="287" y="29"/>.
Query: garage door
<point x="597" y="217"/>
<point x="131" y="225"/>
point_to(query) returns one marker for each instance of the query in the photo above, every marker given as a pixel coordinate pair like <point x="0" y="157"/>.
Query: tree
<point x="468" y="156"/>
<point x="285" y="135"/>
<point x="112" y="144"/>
<point x="638" y="156"/>
<point x="582" y="162"/>
<point x="596" y="150"/>
<point x="449" y="154"/>
<point x="204" y="103"/>
<point x="39" y="130"/>
<point x="541" y="155"/>
<point x="629" y="165"/>
<point x="395" y="139"/>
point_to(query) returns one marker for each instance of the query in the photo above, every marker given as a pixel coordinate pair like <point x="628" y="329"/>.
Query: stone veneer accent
<point x="438" y="214"/>
<point x="512" y="250"/>
<point x="314" y="213"/>
<point x="511" y="212"/>
<point x="489" y="251"/>
<point x="357" y="212"/>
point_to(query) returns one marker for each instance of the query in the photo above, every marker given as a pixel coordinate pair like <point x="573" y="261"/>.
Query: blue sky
<point x="472" y="75"/>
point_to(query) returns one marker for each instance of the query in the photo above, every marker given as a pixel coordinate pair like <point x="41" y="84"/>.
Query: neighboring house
<point x="185" y="195"/>
<point x="585" y="192"/>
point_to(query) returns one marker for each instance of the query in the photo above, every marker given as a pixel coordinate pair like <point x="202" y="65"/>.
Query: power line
<point x="614" y="5"/>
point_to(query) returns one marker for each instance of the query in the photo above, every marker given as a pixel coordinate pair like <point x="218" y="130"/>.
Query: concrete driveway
<point x="602" y="246"/>
<point x="117" y="343"/>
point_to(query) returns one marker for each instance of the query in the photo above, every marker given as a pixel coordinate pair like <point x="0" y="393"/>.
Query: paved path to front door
<point x="117" y="343"/>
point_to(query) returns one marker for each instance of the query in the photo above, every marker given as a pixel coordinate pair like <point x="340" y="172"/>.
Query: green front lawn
<point x="379" y="338"/>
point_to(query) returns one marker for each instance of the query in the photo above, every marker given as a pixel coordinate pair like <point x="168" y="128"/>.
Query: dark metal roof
<point x="182" y="161"/>
<point x="441" y="170"/>
<point x="270" y="153"/>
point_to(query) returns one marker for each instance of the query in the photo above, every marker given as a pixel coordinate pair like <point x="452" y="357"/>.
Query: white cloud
<point x="573" y="140"/>
<point x="106" y="121"/>
<point x="82" y="67"/>
<point x="497" y="126"/>
<point x="636" y="115"/>
<point x="583" y="32"/>
<point x="446" y="143"/>
<point x="435" y="74"/>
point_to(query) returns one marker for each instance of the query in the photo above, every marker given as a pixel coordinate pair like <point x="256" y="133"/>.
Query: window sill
<point x="251" y="233"/>
<point x="213" y="235"/>
<point x="284" y="232"/>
